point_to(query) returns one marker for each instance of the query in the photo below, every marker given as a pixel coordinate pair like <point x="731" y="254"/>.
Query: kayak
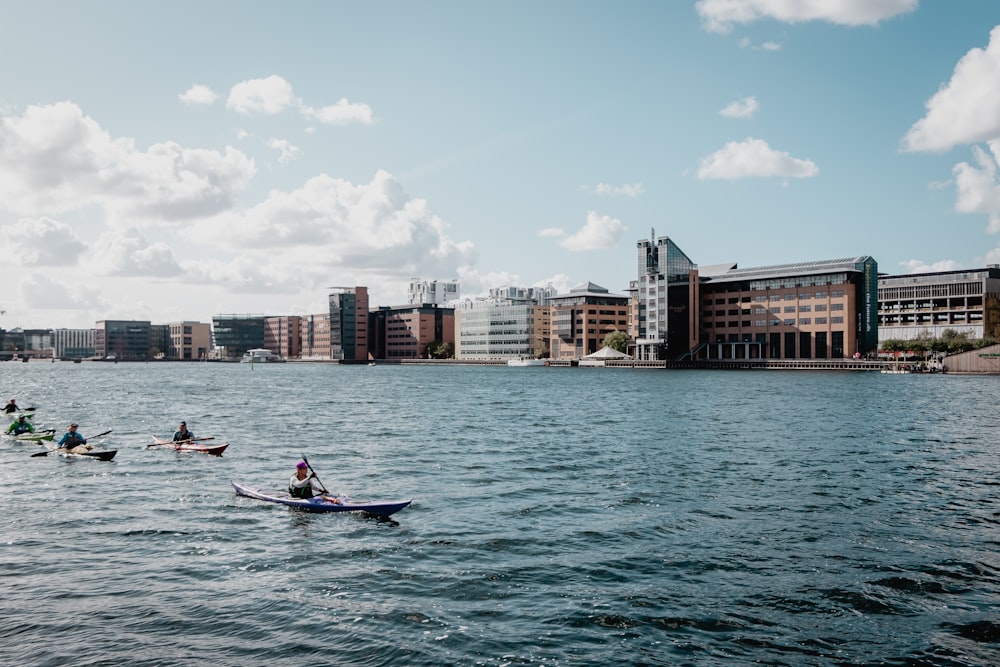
<point x="37" y="436"/>
<point x="190" y="446"/>
<point x="322" y="504"/>
<point x="99" y="454"/>
<point x="14" y="416"/>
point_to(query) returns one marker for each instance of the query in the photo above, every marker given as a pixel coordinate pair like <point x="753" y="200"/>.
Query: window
<point x="836" y="320"/>
<point x="789" y="309"/>
<point x="790" y="322"/>
<point x="820" y="307"/>
<point x="805" y="309"/>
<point x="836" y="306"/>
<point x="805" y="320"/>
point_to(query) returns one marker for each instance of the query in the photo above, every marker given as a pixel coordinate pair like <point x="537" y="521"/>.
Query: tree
<point x="617" y="340"/>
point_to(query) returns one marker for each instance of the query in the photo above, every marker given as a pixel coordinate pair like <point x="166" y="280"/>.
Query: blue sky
<point x="174" y="160"/>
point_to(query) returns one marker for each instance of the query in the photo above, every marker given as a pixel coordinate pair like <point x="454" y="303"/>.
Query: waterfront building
<point x="315" y="334"/>
<point x="439" y="292"/>
<point x="582" y="318"/>
<point x="808" y="310"/>
<point x="404" y="332"/>
<point x="661" y="320"/>
<point x="925" y="305"/>
<point x="508" y="324"/>
<point x="123" y="340"/>
<point x="73" y="343"/>
<point x="188" y="340"/>
<point x="233" y="335"/>
<point x="349" y="323"/>
<point x="283" y="335"/>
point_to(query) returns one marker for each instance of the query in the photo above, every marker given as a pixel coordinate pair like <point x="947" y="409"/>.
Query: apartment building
<point x="582" y="318"/>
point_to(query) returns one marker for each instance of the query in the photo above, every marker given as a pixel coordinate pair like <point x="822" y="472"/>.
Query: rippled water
<point x="560" y="517"/>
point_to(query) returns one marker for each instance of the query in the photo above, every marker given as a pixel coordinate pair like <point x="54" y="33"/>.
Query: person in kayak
<point x="73" y="441"/>
<point x="183" y="433"/>
<point x="11" y="407"/>
<point x="20" y="426"/>
<point x="305" y="484"/>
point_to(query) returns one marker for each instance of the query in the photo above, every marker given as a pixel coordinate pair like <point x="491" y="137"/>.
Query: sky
<point x="171" y="161"/>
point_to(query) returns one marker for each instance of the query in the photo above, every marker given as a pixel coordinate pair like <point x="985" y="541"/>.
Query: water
<point x="560" y="517"/>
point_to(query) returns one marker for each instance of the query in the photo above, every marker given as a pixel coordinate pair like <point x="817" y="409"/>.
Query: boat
<point x="322" y="503"/>
<point x="14" y="416"/>
<point x="37" y="436"/>
<point x="195" y="445"/>
<point x="260" y="355"/>
<point x="525" y="361"/>
<point x="99" y="454"/>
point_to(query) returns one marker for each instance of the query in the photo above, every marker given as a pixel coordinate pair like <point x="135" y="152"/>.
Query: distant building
<point x="73" y="343"/>
<point x="123" y="340"/>
<point x="233" y="335"/>
<point x="923" y="305"/>
<point x="188" y="340"/>
<point x="509" y="324"/>
<point x="349" y="323"/>
<point x="661" y="320"/>
<point x="403" y="332"/>
<point x="582" y="318"/>
<point x="433" y="291"/>
<point x="315" y="336"/>
<point x="283" y="335"/>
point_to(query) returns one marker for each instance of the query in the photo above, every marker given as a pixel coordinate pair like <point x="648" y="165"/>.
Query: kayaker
<point x="183" y="433"/>
<point x="11" y="407"/>
<point x="305" y="484"/>
<point x="73" y="441"/>
<point x="20" y="426"/>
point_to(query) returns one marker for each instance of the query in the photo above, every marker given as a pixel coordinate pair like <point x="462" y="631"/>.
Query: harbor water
<point x="560" y="516"/>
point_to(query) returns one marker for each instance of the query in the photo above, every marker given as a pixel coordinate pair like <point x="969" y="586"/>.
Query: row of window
<point x="789" y="322"/>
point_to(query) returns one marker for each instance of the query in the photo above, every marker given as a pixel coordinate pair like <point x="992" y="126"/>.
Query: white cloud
<point x="40" y="242"/>
<point x="287" y="151"/>
<point x="43" y="292"/>
<point x="753" y="158"/>
<point x="720" y="15"/>
<point x="198" y="94"/>
<point x="264" y="96"/>
<point x="744" y="108"/>
<point x="919" y="266"/>
<point x="128" y="253"/>
<point x="600" y="231"/>
<point x="967" y="109"/>
<point x="630" y="190"/>
<point x="977" y="188"/>
<point x="745" y="43"/>
<point x="55" y="159"/>
<point x="341" y="113"/>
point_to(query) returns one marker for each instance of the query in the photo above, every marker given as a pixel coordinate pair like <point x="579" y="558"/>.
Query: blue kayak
<point x="325" y="503"/>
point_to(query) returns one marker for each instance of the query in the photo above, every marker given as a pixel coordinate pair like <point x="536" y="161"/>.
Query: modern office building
<point x="926" y="305"/>
<point x="349" y="323"/>
<point x="283" y="335"/>
<point x="233" y="335"/>
<point x="404" y="332"/>
<point x="123" y="340"/>
<point x="73" y="343"/>
<point x="508" y="324"/>
<point x="315" y="335"/>
<point x="809" y="310"/>
<point x="582" y="318"/>
<point x="188" y="340"/>
<point x="439" y="292"/>
<point x="661" y="319"/>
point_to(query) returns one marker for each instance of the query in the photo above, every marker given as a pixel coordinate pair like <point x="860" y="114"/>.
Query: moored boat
<point x="326" y="503"/>
<point x="261" y="355"/>
<point x="196" y="445"/>
<point x="525" y="361"/>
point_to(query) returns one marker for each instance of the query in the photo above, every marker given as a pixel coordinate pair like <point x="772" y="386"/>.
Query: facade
<point x="349" y="323"/>
<point x="283" y="336"/>
<point x="188" y="340"/>
<point x="439" y="292"/>
<point x="661" y="319"/>
<point x="403" y="332"/>
<point x="123" y="340"/>
<point x="233" y="335"/>
<point x="315" y="336"/>
<point x="582" y="318"/>
<point x="496" y="332"/>
<point x="809" y="310"/>
<point x="925" y="305"/>
<point x="73" y="343"/>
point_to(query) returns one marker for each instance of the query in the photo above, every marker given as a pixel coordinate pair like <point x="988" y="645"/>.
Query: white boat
<point x="525" y="361"/>
<point x="260" y="355"/>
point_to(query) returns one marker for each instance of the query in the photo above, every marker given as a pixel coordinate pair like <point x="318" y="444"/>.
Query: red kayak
<point x="195" y="445"/>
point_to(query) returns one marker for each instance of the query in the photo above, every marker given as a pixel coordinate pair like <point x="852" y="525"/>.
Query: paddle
<point x="171" y="443"/>
<point x="46" y="453"/>
<point x="304" y="459"/>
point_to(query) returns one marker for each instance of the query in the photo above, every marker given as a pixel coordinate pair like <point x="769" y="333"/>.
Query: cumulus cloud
<point x="198" y="94"/>
<point x="268" y="96"/>
<point x="744" y="108"/>
<point x="753" y="158"/>
<point x="40" y="242"/>
<point x="286" y="150"/>
<point x="43" y="292"/>
<point x="630" y="190"/>
<point x="919" y="266"/>
<point x="128" y="253"/>
<point x="341" y="113"/>
<point x="599" y="231"/>
<point x="967" y="109"/>
<point x="977" y="188"/>
<point x="720" y="15"/>
<point x="54" y="159"/>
